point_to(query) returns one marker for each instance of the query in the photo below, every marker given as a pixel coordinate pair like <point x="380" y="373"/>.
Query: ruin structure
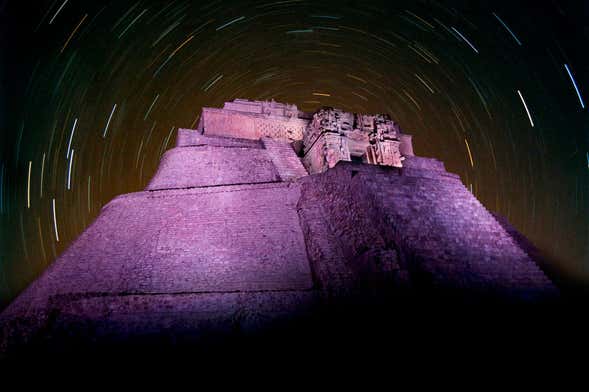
<point x="266" y="213"/>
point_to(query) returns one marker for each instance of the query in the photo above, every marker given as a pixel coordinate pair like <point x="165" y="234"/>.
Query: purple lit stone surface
<point x="234" y="231"/>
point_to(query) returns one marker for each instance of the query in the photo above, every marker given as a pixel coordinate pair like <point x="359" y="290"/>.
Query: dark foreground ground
<point x="415" y="329"/>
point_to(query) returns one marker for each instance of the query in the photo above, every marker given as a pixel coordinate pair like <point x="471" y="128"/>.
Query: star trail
<point x="93" y="91"/>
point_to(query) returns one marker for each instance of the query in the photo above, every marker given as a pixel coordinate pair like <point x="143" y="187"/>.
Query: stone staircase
<point x="284" y="158"/>
<point x="455" y="240"/>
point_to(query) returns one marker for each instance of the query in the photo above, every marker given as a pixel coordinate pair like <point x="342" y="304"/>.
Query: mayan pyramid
<point x="265" y="213"/>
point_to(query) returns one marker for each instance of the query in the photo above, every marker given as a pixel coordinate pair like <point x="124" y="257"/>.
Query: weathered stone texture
<point x="204" y="240"/>
<point x="232" y="235"/>
<point x="236" y="124"/>
<point x="450" y="239"/>
<point x="212" y="161"/>
<point x="289" y="166"/>
<point x="185" y="167"/>
<point x="188" y="137"/>
<point x="175" y="318"/>
<point x="349" y="240"/>
<point x="334" y="135"/>
<point x="433" y="231"/>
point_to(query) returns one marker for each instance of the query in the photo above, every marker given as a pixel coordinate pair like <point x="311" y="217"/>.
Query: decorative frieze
<point x="323" y="139"/>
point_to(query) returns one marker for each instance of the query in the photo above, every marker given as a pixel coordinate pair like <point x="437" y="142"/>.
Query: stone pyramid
<point x="264" y="215"/>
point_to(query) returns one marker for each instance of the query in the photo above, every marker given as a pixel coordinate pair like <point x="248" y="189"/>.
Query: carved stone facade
<point x="323" y="138"/>
<point x="334" y="135"/>
<point x="254" y="120"/>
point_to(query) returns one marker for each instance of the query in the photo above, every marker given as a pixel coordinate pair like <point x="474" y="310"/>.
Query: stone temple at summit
<point x="263" y="214"/>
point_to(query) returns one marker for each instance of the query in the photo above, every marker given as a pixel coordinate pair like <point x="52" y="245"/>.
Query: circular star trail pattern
<point x="93" y="92"/>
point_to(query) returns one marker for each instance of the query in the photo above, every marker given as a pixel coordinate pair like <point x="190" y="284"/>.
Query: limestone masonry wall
<point x="285" y="160"/>
<point x="452" y="241"/>
<point x="200" y="160"/>
<point x="349" y="241"/>
<point x="189" y="137"/>
<point x="251" y="125"/>
<point x="184" y="167"/>
<point x="204" y="240"/>
<point x="233" y="233"/>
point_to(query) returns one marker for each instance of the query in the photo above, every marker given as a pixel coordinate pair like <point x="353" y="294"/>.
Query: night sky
<point x="92" y="92"/>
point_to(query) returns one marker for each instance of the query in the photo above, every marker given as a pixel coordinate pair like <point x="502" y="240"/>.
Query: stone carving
<point x="324" y="138"/>
<point x="268" y="108"/>
<point x="242" y="118"/>
<point x="279" y="109"/>
<point x="384" y="142"/>
<point x="334" y="135"/>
